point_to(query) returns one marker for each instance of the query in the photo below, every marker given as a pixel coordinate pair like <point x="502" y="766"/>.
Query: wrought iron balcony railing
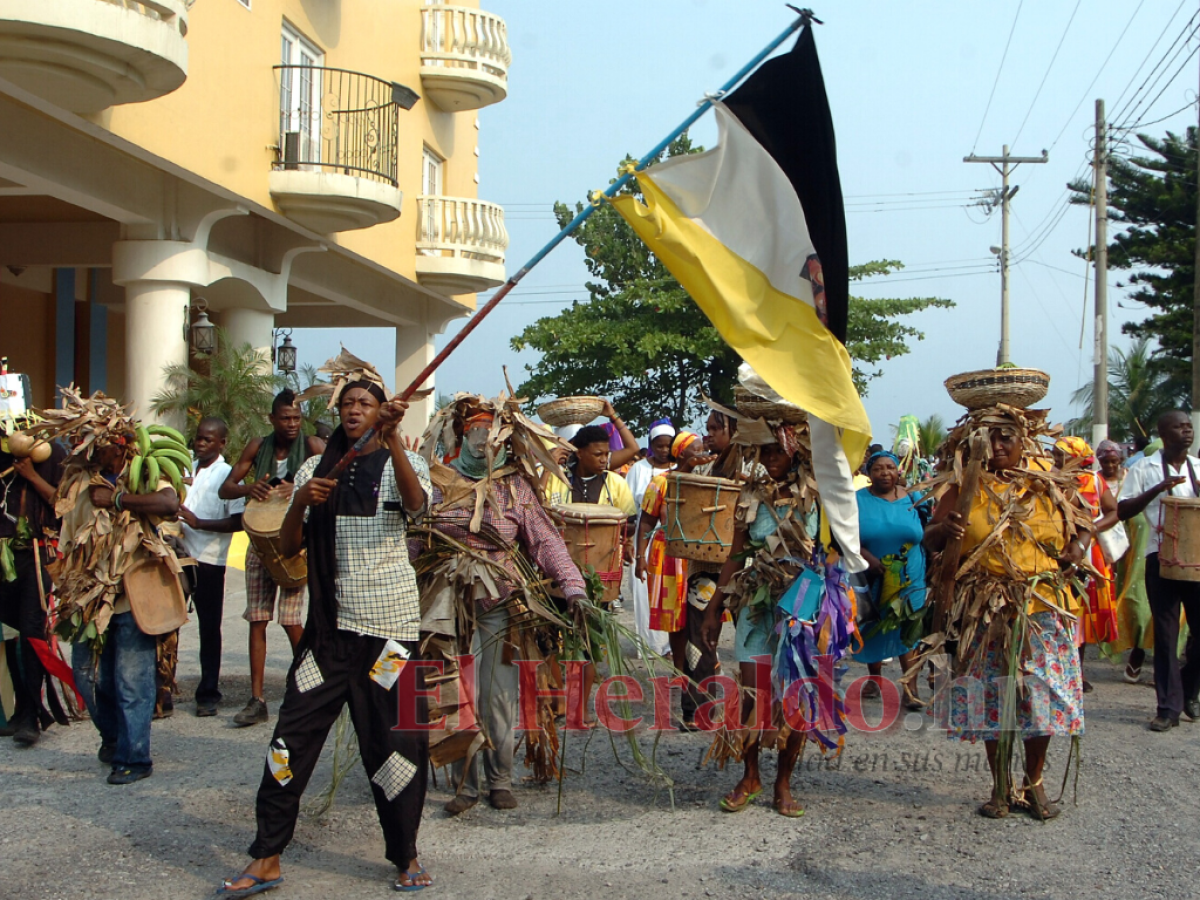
<point x="338" y="121"/>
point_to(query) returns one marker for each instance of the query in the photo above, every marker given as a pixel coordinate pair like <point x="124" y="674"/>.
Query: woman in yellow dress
<point x="1012" y="609"/>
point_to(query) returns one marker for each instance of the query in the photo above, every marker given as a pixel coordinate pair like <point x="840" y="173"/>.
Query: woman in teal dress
<point x="890" y="532"/>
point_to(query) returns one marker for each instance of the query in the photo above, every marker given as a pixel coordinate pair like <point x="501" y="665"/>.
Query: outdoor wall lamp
<point x="201" y="333"/>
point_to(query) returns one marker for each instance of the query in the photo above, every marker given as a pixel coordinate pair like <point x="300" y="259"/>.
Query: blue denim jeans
<point x="119" y="691"/>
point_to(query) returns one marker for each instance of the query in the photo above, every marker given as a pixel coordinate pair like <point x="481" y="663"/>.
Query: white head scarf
<point x="661" y="428"/>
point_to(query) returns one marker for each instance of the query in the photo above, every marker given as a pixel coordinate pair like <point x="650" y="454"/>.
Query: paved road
<point x="893" y="818"/>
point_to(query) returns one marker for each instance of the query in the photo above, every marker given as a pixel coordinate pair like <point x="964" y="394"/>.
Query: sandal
<point x="399" y="885"/>
<point x="791" y="809"/>
<point x="730" y="804"/>
<point x="994" y="809"/>
<point x="1041" y="809"/>
<point x="257" y="886"/>
<point x="911" y="700"/>
<point x="1133" y="674"/>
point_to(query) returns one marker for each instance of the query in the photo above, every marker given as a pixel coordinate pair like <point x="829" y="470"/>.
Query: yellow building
<point x="281" y="163"/>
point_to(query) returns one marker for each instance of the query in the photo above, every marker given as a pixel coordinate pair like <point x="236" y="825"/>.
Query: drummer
<point x="591" y="479"/>
<point x="272" y="460"/>
<point x="1173" y="472"/>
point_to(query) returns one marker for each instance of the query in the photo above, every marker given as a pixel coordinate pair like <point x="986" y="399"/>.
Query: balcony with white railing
<point x="88" y="55"/>
<point x="460" y="244"/>
<point x="464" y="57"/>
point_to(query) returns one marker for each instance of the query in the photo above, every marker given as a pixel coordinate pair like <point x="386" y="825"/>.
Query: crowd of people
<point x="1009" y="549"/>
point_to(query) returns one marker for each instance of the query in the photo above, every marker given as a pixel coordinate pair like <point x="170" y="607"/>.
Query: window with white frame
<point x="300" y="98"/>
<point x="432" y="179"/>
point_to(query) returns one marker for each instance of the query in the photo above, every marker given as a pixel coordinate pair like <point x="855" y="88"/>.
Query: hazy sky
<point x="909" y="85"/>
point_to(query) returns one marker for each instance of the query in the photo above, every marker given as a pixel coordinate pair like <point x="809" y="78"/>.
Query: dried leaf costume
<point x="1003" y="606"/>
<point x="791" y="602"/>
<point x="97" y="545"/>
<point x="480" y="557"/>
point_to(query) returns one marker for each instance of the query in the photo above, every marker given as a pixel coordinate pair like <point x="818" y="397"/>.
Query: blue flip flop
<point x="259" y="885"/>
<point x="396" y="885"/>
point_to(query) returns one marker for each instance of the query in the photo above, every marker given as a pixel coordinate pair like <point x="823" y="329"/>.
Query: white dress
<point x="639" y="477"/>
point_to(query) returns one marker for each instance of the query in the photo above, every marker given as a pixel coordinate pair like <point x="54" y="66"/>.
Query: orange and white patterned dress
<point x="1098" y="623"/>
<point x="666" y="576"/>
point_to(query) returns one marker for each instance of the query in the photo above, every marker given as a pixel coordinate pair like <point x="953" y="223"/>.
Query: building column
<point x="249" y="326"/>
<point x="155" y="317"/>
<point x="414" y="350"/>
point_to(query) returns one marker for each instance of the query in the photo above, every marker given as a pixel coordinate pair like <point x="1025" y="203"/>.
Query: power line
<point x="1183" y="65"/>
<point x="1046" y="74"/>
<point x="1131" y="109"/>
<point x="1160" y="69"/>
<point x="996" y="82"/>
<point x="1053" y="324"/>
<point x="1088" y="90"/>
<point x="1146" y="58"/>
<point x="1172" y="115"/>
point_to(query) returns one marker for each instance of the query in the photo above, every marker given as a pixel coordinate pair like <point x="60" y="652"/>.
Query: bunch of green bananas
<point x="161" y="452"/>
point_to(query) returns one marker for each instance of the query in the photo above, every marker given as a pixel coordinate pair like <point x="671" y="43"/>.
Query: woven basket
<point x="988" y="387"/>
<point x="756" y="407"/>
<point x="570" y="411"/>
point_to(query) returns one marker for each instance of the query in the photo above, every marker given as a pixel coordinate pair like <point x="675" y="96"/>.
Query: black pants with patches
<point x="21" y="608"/>
<point x="396" y="762"/>
<point x="699" y="662"/>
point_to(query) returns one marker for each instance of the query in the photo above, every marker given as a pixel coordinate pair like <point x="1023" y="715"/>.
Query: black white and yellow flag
<point x="754" y="230"/>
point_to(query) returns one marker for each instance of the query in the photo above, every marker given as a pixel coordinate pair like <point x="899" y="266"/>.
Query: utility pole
<point x="1005" y="165"/>
<point x="1100" y="373"/>
<point x="1196" y="322"/>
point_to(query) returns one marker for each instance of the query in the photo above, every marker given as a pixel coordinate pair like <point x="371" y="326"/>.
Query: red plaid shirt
<point x="519" y="519"/>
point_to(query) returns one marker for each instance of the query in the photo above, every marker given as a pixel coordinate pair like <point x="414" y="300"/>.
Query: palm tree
<point x="1140" y="389"/>
<point x="237" y="386"/>
<point x="932" y="434"/>
<point x="317" y="409"/>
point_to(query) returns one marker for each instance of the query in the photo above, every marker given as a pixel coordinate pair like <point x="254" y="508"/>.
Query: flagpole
<point x="805" y="16"/>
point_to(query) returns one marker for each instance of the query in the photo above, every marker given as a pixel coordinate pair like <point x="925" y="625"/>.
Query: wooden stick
<point x="966" y="497"/>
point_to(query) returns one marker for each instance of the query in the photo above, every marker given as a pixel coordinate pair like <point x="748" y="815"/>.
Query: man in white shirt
<point x="1171" y="471"/>
<point x="208" y="526"/>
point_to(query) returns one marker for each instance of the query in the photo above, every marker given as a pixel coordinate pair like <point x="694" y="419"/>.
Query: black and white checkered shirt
<point x="376" y="586"/>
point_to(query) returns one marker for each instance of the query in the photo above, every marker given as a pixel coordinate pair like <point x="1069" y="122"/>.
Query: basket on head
<point x="570" y="411"/>
<point x="756" y="407"/>
<point x="988" y="387"/>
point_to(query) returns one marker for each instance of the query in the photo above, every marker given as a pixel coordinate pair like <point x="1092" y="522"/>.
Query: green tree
<point x="234" y="385"/>
<point x="1139" y="391"/>
<point x="317" y="409"/>
<point x="641" y="341"/>
<point x="872" y="332"/>
<point x="932" y="431"/>
<point x="1152" y="201"/>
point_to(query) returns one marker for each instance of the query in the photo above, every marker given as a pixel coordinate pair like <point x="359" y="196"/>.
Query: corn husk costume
<point x="98" y="546"/>
<point x="793" y="580"/>
<point x="988" y="605"/>
<point x="454" y="577"/>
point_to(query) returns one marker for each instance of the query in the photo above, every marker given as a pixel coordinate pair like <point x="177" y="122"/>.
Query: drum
<point x="1179" y="555"/>
<point x="697" y="517"/>
<point x="263" y="520"/>
<point x="595" y="536"/>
